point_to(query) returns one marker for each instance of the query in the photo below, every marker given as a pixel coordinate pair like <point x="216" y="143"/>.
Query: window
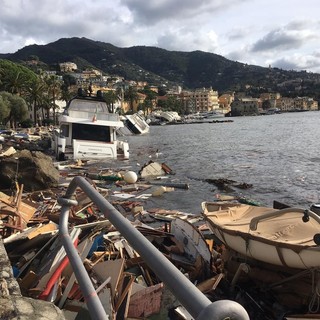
<point x="65" y="130"/>
<point x="91" y="132"/>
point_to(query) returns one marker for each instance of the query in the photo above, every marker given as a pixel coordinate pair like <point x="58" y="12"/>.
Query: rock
<point x="33" y="169"/>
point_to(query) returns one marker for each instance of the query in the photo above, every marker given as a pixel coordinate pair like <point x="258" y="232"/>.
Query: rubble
<point x="126" y="285"/>
<point x="30" y="234"/>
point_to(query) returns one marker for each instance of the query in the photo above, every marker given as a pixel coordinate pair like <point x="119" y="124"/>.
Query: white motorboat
<point x="136" y="123"/>
<point x="88" y="130"/>
<point x="170" y="116"/>
<point x="287" y="237"/>
<point x="211" y="115"/>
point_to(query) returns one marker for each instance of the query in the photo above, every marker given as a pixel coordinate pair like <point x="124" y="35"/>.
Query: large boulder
<point x="33" y="169"/>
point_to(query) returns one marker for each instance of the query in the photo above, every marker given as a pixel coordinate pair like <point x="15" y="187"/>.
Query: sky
<point x="276" y="33"/>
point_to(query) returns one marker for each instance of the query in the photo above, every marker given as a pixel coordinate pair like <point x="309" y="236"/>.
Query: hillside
<point x="158" y="66"/>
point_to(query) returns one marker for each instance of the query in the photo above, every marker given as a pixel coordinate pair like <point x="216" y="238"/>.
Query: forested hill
<point x="190" y="69"/>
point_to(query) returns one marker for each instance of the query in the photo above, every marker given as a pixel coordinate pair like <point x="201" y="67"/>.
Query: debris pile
<point x="126" y="285"/>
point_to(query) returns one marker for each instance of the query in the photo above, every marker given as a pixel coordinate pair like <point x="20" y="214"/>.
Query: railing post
<point x="91" y="298"/>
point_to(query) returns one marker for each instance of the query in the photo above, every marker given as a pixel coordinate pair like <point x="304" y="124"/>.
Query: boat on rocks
<point x="287" y="237"/>
<point x="88" y="130"/>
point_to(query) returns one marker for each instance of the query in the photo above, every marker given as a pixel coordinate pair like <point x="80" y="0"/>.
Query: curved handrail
<point x="197" y="304"/>
<point x="272" y="214"/>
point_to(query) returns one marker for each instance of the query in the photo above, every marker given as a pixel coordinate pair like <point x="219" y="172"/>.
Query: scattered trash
<point x="125" y="284"/>
<point x="154" y="169"/>
<point x="130" y="177"/>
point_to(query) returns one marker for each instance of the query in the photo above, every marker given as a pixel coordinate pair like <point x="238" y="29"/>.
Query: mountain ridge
<point x="158" y="66"/>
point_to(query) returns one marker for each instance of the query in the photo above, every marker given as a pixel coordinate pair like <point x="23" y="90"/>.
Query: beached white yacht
<point x="88" y="130"/>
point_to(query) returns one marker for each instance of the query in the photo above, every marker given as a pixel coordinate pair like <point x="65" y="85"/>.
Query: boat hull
<point x="281" y="238"/>
<point x="88" y="130"/>
<point x="136" y="124"/>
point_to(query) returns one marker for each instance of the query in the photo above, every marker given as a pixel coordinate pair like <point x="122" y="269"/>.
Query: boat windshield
<point x="91" y="132"/>
<point x="88" y="106"/>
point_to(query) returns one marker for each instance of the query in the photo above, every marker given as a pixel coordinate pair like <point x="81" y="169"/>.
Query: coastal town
<point x="79" y="237"/>
<point x="187" y="102"/>
<point x="47" y="98"/>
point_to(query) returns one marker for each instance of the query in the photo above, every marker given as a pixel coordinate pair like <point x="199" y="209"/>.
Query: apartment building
<point x="245" y="106"/>
<point x="270" y="96"/>
<point x="305" y="104"/>
<point x="225" y="101"/>
<point x="68" y="67"/>
<point x="205" y="99"/>
<point x="92" y="73"/>
<point x="285" y="104"/>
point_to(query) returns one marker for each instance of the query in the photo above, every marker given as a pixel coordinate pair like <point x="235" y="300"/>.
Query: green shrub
<point x="47" y="122"/>
<point x="28" y="123"/>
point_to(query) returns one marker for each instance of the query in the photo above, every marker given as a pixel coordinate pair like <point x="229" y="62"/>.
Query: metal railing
<point x="194" y="301"/>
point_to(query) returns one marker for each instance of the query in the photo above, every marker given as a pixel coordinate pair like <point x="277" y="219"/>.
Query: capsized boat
<point x="88" y="130"/>
<point x="287" y="237"/>
<point x="136" y="123"/>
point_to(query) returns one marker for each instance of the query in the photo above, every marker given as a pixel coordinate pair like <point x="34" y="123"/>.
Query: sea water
<point x="277" y="154"/>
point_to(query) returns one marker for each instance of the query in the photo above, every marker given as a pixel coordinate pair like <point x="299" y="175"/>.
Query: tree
<point x="4" y="110"/>
<point x="68" y="81"/>
<point x="150" y="100"/>
<point x="162" y="91"/>
<point x="35" y="94"/>
<point x="162" y="104"/>
<point x="18" y="110"/>
<point x="174" y="104"/>
<point x="145" y="106"/>
<point x="110" y="98"/>
<point x="15" y="78"/>
<point x="131" y="96"/>
<point x="54" y="92"/>
<point x="266" y="105"/>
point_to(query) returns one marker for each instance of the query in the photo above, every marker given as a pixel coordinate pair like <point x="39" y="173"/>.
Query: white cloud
<point x="292" y="36"/>
<point x="188" y="39"/>
<point x="249" y="31"/>
<point x="296" y="61"/>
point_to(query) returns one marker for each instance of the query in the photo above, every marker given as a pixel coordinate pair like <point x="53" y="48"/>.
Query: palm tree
<point x="54" y="92"/>
<point x="14" y="82"/>
<point x="35" y="94"/>
<point x="111" y="97"/>
<point x="150" y="100"/>
<point x="14" y="77"/>
<point x="131" y="96"/>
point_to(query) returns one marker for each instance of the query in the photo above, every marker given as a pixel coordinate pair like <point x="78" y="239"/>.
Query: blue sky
<point x="280" y="33"/>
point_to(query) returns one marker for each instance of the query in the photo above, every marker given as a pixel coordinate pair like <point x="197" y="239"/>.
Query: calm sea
<point x="277" y="154"/>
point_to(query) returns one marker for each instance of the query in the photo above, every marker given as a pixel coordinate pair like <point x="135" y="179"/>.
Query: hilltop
<point x="159" y="66"/>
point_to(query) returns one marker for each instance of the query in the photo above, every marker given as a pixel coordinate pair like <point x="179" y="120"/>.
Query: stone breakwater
<point x="13" y="305"/>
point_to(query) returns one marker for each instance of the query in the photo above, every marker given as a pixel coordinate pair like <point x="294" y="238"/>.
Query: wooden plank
<point x="110" y="268"/>
<point x="26" y="211"/>
<point x="27" y="281"/>
<point x="210" y="284"/>
<point x="122" y="306"/>
<point x="42" y="229"/>
<point x="126" y="287"/>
